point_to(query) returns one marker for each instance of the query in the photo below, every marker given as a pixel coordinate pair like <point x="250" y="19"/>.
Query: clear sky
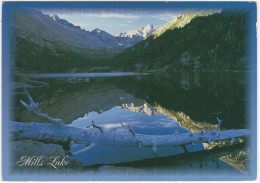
<point x="113" y="21"/>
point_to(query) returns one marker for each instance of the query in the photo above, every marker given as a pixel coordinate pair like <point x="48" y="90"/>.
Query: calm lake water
<point x="150" y="104"/>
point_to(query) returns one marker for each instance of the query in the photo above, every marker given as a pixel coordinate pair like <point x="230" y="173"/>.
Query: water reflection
<point x="140" y="122"/>
<point x="142" y="119"/>
<point x="201" y="96"/>
<point x="150" y="104"/>
<point x="192" y="162"/>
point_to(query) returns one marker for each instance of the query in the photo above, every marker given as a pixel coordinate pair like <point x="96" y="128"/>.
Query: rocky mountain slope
<point x="52" y="31"/>
<point x="46" y="43"/>
<point x="194" y="41"/>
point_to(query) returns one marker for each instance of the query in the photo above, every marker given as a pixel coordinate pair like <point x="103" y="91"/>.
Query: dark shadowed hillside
<point x="194" y="41"/>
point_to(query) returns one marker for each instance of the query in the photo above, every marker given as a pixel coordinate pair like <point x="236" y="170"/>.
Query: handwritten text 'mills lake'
<point x="39" y="161"/>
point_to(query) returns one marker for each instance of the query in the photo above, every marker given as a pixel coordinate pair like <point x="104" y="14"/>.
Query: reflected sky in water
<point x="158" y="124"/>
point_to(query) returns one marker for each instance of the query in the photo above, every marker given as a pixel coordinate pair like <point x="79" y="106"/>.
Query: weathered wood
<point x="58" y="133"/>
<point x="51" y="133"/>
<point x="34" y="108"/>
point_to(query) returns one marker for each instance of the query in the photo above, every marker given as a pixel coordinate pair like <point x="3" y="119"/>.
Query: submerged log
<point x="57" y="133"/>
<point x="180" y="160"/>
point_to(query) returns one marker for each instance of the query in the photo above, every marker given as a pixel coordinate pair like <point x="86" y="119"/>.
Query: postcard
<point x="119" y="91"/>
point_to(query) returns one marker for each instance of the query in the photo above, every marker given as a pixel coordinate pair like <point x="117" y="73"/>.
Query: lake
<point x="156" y="104"/>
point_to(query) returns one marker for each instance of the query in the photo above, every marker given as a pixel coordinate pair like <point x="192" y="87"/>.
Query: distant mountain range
<point x="206" y="40"/>
<point x="57" y="41"/>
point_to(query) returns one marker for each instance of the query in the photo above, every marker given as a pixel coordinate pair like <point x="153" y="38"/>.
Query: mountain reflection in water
<point x="150" y="104"/>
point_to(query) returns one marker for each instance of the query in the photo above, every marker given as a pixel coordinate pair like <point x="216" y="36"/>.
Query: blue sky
<point x="116" y="17"/>
<point x="114" y="21"/>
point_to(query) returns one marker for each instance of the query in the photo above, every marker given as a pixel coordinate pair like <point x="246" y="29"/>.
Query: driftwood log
<point x="57" y="132"/>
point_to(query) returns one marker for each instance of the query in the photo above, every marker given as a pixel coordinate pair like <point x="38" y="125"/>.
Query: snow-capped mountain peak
<point x="54" y="17"/>
<point x="141" y="32"/>
<point x="133" y="36"/>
